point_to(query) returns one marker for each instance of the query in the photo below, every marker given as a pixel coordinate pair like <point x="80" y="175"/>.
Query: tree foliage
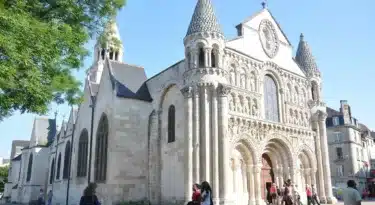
<point x="3" y="177"/>
<point x="41" y="44"/>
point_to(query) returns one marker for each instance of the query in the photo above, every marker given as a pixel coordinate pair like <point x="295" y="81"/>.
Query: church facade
<point x="240" y="113"/>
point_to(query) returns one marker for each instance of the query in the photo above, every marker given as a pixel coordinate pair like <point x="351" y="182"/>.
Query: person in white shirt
<point x="351" y="195"/>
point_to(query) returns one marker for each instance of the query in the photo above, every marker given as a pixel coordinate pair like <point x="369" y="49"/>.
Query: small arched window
<point x="67" y="155"/>
<point x="271" y="99"/>
<point x="201" y="58"/>
<point x="314" y="91"/>
<point x="116" y="55"/>
<point x="213" y="58"/>
<point x="103" y="54"/>
<point x="58" y="167"/>
<point x="52" y="171"/>
<point x="171" y="123"/>
<point x="101" y="150"/>
<point x="29" y="167"/>
<point x="82" y="153"/>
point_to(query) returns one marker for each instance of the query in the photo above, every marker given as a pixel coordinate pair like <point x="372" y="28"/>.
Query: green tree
<point x="3" y="177"/>
<point x="41" y="44"/>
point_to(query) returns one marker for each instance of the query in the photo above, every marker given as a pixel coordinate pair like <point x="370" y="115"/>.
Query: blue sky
<point x="340" y="33"/>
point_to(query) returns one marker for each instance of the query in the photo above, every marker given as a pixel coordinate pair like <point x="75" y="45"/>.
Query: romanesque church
<point x="240" y="113"/>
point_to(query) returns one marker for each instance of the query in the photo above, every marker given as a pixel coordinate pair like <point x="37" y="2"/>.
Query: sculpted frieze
<point x="245" y="104"/>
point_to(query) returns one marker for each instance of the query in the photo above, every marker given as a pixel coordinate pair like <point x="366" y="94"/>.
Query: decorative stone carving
<point x="223" y="90"/>
<point x="257" y="168"/>
<point x="254" y="109"/>
<point x="187" y="91"/>
<point x="322" y="115"/>
<point x="268" y="38"/>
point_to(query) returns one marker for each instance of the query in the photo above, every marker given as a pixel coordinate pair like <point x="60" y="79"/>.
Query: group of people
<point x="288" y="195"/>
<point x="202" y="194"/>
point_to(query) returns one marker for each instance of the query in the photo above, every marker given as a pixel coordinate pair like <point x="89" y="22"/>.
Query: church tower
<point x="318" y="108"/>
<point x="306" y="61"/>
<point x="108" y="45"/>
<point x="206" y="104"/>
<point x="204" y="45"/>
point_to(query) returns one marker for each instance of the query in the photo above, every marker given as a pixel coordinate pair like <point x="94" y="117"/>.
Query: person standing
<point x="273" y="192"/>
<point x="41" y="197"/>
<point x="196" y="198"/>
<point x="89" y="197"/>
<point x="308" y="194"/>
<point x="206" y="194"/>
<point x="351" y="195"/>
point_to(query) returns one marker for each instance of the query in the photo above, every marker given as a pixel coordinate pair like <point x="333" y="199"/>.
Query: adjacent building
<point x="351" y="147"/>
<point x="240" y="113"/>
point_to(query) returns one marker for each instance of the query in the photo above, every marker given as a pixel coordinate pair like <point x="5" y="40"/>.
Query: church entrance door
<point x="267" y="176"/>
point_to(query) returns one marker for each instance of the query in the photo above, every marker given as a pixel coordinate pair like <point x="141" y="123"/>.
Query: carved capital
<point x="187" y="91"/>
<point x="281" y="91"/>
<point x="322" y="115"/>
<point x="223" y="90"/>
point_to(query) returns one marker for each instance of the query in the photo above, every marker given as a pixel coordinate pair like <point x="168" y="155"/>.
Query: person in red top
<point x="309" y="194"/>
<point x="273" y="192"/>
<point x="196" y="198"/>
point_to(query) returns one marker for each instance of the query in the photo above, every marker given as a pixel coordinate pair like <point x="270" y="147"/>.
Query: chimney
<point x="345" y="111"/>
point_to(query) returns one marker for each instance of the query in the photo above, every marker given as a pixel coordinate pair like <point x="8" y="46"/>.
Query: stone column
<point x="320" y="181"/>
<point x="206" y="57"/>
<point x="195" y="57"/>
<point x="258" y="186"/>
<point x="196" y="137"/>
<point x="188" y="172"/>
<point x="308" y="176"/>
<point x="313" y="177"/>
<point x="224" y="172"/>
<point x="325" y="156"/>
<point x="234" y="172"/>
<point x="250" y="177"/>
<point x="206" y="138"/>
<point x="215" y="148"/>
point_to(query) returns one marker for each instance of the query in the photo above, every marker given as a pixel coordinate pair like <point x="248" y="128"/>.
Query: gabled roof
<point x="132" y="84"/>
<point x="203" y="19"/>
<point x="332" y="112"/>
<point x="274" y="19"/>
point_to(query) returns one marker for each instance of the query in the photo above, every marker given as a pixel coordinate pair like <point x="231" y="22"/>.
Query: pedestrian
<point x="206" y="193"/>
<point x="196" y="197"/>
<point x="288" y="193"/>
<point x="273" y="192"/>
<point x="50" y="195"/>
<point x="308" y="194"/>
<point x="351" y="195"/>
<point x="89" y="196"/>
<point x="314" y="195"/>
<point x="41" y="197"/>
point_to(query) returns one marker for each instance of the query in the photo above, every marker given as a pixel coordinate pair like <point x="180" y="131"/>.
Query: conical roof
<point x="305" y="59"/>
<point x="203" y="19"/>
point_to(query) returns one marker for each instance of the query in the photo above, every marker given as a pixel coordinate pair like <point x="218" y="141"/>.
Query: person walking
<point x="351" y="195"/>
<point x="273" y="192"/>
<point x="206" y="192"/>
<point x="89" y="197"/>
<point x="314" y="195"/>
<point x="196" y="197"/>
<point x="50" y="195"/>
<point x="41" y="197"/>
<point x="308" y="194"/>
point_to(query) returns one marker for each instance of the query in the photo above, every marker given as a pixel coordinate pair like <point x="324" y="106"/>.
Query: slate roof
<point x="304" y="57"/>
<point x="203" y="19"/>
<point x="128" y="81"/>
<point x="18" y="158"/>
<point x="332" y="112"/>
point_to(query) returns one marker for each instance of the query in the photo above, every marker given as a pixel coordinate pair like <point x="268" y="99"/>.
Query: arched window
<point x="29" y="167"/>
<point x="67" y="155"/>
<point x="213" y="58"/>
<point x="171" y="123"/>
<point x="101" y="150"/>
<point x="52" y="171"/>
<point x="83" y="145"/>
<point x="201" y="58"/>
<point x="116" y="55"/>
<point x="271" y="104"/>
<point x="58" y="167"/>
<point x="103" y="54"/>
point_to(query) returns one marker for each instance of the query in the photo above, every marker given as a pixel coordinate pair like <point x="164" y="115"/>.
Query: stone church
<point x="240" y="113"/>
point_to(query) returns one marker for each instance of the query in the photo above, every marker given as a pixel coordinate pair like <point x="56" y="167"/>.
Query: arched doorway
<point x="267" y="175"/>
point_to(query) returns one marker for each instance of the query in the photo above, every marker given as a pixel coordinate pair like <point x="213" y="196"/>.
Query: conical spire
<point x="203" y="19"/>
<point x="305" y="58"/>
